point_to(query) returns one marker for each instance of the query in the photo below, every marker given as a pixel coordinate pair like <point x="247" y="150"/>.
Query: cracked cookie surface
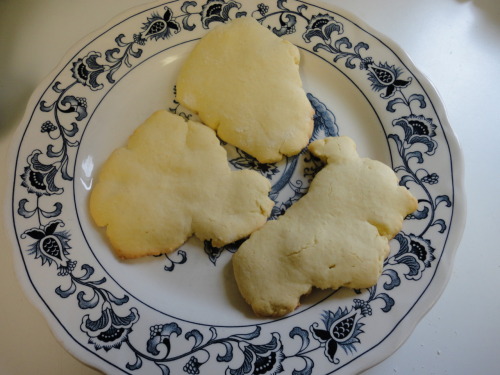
<point x="336" y="235"/>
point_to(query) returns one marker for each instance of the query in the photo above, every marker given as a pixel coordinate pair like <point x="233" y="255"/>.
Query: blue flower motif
<point x="263" y="359"/>
<point x="385" y="76"/>
<point x="341" y="328"/>
<point x="110" y="330"/>
<point x="158" y="27"/>
<point x="418" y="129"/>
<point x="322" y="26"/>
<point x="217" y="11"/>
<point x="87" y="69"/>
<point x="160" y="334"/>
<point x="415" y="252"/>
<point x="51" y="246"/>
<point x="38" y="177"/>
<point x="74" y="104"/>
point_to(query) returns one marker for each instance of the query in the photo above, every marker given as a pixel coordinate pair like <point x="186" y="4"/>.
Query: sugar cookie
<point x="243" y="81"/>
<point x="171" y="181"/>
<point x="336" y="235"/>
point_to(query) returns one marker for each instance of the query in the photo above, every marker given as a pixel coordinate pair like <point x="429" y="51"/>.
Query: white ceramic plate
<point x="182" y="313"/>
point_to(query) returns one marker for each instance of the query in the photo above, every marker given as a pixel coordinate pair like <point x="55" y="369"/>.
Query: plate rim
<point x="397" y="335"/>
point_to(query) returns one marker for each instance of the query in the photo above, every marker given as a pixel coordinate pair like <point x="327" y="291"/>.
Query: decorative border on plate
<point x="247" y="350"/>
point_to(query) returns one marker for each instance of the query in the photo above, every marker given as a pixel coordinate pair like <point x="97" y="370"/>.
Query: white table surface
<point x="455" y="43"/>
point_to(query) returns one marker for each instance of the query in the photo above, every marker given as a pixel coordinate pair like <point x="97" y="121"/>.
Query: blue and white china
<point x="181" y="313"/>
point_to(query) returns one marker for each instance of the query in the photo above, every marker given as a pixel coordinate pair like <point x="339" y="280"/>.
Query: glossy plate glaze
<point x="182" y="313"/>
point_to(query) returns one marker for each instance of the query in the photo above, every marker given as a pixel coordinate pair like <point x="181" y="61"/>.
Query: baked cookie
<point x="336" y="235"/>
<point x="171" y="181"/>
<point x="243" y="81"/>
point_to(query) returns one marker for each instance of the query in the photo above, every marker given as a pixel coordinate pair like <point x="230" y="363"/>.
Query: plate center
<point x="190" y="285"/>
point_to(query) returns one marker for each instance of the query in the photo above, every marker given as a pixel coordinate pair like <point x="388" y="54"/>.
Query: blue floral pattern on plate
<point x="128" y="336"/>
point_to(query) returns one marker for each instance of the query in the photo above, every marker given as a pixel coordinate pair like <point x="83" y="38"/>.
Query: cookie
<point x="170" y="182"/>
<point x="337" y="235"/>
<point x="243" y="81"/>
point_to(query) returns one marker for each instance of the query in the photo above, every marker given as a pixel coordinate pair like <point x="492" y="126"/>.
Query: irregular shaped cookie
<point x="244" y="82"/>
<point x="336" y="235"/>
<point x="170" y="182"/>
